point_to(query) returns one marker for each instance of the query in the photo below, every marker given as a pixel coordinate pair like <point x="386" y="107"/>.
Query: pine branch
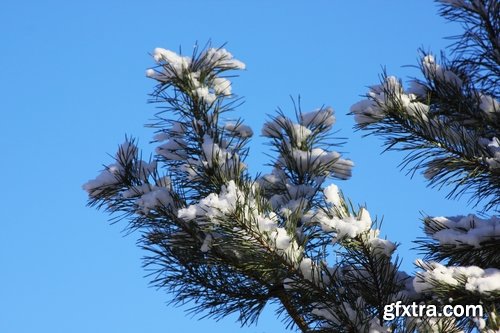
<point x="461" y="241"/>
<point x="450" y="151"/>
<point x="227" y="243"/>
<point x="477" y="47"/>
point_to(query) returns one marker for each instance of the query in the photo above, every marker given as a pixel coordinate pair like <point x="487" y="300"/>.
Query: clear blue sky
<point x="72" y="85"/>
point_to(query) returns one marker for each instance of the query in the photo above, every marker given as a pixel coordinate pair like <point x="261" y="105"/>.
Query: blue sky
<point x="72" y="85"/>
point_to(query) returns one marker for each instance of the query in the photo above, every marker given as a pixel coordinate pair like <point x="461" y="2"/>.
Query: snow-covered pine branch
<point x="231" y="243"/>
<point x="448" y="120"/>
<point x="448" y="129"/>
<point x="448" y="123"/>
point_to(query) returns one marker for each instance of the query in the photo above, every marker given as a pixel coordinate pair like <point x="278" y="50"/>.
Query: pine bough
<point x="226" y="242"/>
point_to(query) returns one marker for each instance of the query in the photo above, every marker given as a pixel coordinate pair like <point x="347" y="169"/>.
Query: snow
<point x="221" y="86"/>
<point x="295" y="206"/>
<point x="429" y="324"/>
<point x="281" y="127"/>
<point x="311" y="271"/>
<point x="364" y="218"/>
<point x="211" y="210"/>
<point x="390" y="95"/>
<point x="172" y="66"/>
<point x="408" y="292"/>
<point x="302" y="191"/>
<point x="438" y="273"/>
<point x="177" y="128"/>
<point x="375" y="327"/>
<point x="189" y="213"/>
<point x="157" y="75"/>
<point x="371" y="110"/>
<point x="349" y="226"/>
<point x="194" y="79"/>
<point x="177" y="65"/>
<point x="281" y="238"/>
<point x="300" y="133"/>
<point x="273" y="128"/>
<point x="493" y="147"/>
<point x="221" y="58"/>
<point x="240" y="130"/>
<point x="417" y="109"/>
<point x="326" y="314"/>
<point x="320" y="117"/>
<point x="204" y="94"/>
<point x="307" y="160"/>
<point x="176" y="131"/>
<point x="292" y="253"/>
<point x="217" y="156"/>
<point x="267" y="223"/>
<point x="332" y="195"/>
<point x="135" y="191"/>
<point x="480" y="322"/>
<point x="207" y="243"/>
<point x="145" y="169"/>
<point x="379" y="246"/>
<point x="156" y="198"/>
<point x="434" y="71"/>
<point x="489" y="281"/>
<point x="289" y="197"/>
<point x="460" y="230"/>
<point x="351" y="313"/>
<point x="342" y="169"/>
<point x="476" y="279"/>
<point x="214" y="205"/>
<point x="489" y="104"/>
<point x="306" y="267"/>
<point x="354" y="315"/>
<point x="112" y="176"/>
<point x="174" y="149"/>
<point x="366" y="111"/>
<point x="161" y="136"/>
<point x="127" y="153"/>
<point x="274" y="179"/>
<point x="108" y="178"/>
<point x="150" y="196"/>
<point x="429" y="65"/>
<point x="211" y="150"/>
<point x="190" y="169"/>
<point x="450" y="77"/>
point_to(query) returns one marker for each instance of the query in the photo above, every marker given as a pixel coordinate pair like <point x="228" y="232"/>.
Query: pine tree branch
<point x="292" y="312"/>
